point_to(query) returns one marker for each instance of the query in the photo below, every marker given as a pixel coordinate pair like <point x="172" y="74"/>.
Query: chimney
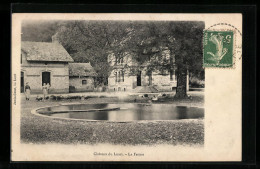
<point x="55" y="38"/>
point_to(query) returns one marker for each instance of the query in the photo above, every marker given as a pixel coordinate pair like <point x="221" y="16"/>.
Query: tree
<point x="183" y="40"/>
<point x="155" y="45"/>
<point x="188" y="50"/>
<point x="39" y="31"/>
<point x="93" y="41"/>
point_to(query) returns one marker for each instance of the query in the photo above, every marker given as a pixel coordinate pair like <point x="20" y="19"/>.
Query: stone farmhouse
<point x="44" y="62"/>
<point x="122" y="78"/>
<point x="49" y="62"/>
<point x="81" y="77"/>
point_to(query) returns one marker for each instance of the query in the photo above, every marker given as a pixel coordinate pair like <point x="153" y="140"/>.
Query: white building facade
<point x="124" y="77"/>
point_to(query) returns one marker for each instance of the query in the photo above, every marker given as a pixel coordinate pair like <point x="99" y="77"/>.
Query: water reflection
<point x="127" y="112"/>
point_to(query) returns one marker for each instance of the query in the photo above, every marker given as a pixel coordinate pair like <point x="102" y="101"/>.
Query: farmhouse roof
<point x="45" y="51"/>
<point x="81" y="69"/>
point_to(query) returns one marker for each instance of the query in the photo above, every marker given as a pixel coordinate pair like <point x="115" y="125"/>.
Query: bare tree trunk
<point x="181" y="91"/>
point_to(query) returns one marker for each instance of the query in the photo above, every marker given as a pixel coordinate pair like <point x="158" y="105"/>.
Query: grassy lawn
<point x="36" y="129"/>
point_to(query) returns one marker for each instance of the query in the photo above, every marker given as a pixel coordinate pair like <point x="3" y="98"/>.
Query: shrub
<point x="195" y="82"/>
<point x="53" y="97"/>
<point x="88" y="97"/>
<point x="74" y="97"/>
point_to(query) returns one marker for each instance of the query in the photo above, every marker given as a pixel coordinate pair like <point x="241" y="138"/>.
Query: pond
<point x="123" y="112"/>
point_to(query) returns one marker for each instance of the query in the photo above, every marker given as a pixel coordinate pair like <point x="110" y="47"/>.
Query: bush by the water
<point x="197" y="83"/>
<point x="59" y="97"/>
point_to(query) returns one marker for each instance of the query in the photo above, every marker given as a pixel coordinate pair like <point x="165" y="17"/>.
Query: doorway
<point x="46" y="78"/>
<point x="139" y="82"/>
<point x="22" y="82"/>
<point x="150" y="80"/>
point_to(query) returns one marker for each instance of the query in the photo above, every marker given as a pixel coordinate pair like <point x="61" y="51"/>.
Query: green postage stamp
<point x="218" y="48"/>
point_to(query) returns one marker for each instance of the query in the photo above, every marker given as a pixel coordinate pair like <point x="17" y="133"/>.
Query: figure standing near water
<point x="27" y="91"/>
<point x="48" y="88"/>
<point x="44" y="90"/>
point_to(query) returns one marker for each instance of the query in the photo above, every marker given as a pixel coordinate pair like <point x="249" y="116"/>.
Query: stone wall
<point x="161" y="82"/>
<point x="59" y="75"/>
<point x="127" y="85"/>
<point x="79" y="87"/>
<point x="164" y="82"/>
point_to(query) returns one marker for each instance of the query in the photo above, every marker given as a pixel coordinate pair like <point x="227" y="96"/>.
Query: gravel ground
<point x="36" y="129"/>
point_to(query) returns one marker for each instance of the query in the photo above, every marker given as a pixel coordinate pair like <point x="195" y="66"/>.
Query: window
<point x="115" y="76"/>
<point x="138" y="79"/>
<point x="84" y="82"/>
<point x="118" y="60"/>
<point x="150" y="79"/>
<point x="119" y="77"/>
<point x="123" y="76"/>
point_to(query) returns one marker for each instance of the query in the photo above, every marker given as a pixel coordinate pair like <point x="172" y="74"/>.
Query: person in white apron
<point x="48" y="87"/>
<point x="27" y="91"/>
<point x="44" y="90"/>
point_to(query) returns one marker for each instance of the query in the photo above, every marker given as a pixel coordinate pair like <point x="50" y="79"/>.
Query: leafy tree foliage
<point x="156" y="45"/>
<point x="39" y="31"/>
